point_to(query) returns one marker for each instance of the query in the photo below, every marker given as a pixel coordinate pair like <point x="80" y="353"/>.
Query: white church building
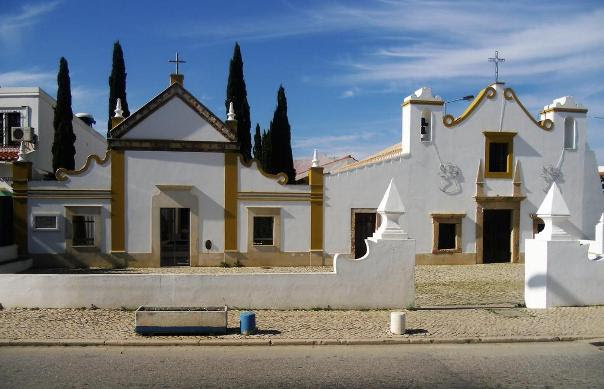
<point x="172" y="189"/>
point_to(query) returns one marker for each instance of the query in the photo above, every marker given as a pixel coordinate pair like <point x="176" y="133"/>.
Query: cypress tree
<point x="237" y="93"/>
<point x="266" y="152"/>
<point x="281" y="153"/>
<point x="63" y="146"/>
<point x="117" y="83"/>
<point x="258" y="144"/>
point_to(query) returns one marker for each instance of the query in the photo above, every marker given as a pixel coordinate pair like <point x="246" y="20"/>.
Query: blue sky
<point x="346" y="65"/>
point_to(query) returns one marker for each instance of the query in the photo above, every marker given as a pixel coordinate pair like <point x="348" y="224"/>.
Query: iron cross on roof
<point x="177" y="61"/>
<point x="496" y="60"/>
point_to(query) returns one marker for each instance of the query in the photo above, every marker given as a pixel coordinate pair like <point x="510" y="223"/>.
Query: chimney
<point x="177" y="79"/>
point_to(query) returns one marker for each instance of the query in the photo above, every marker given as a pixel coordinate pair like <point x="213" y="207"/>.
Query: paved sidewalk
<point x="444" y="294"/>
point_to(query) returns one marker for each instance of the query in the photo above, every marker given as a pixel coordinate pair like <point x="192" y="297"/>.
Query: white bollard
<point x="397" y="323"/>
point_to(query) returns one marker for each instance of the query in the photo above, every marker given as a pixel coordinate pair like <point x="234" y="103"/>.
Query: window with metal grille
<point x="263" y="230"/>
<point x="83" y="231"/>
<point x="45" y="222"/>
<point x="13" y="119"/>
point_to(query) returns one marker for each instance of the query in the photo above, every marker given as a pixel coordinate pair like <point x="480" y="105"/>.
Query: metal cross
<point x="496" y="60"/>
<point x="177" y="61"/>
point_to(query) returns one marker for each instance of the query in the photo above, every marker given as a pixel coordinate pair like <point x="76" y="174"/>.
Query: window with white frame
<point x="46" y="222"/>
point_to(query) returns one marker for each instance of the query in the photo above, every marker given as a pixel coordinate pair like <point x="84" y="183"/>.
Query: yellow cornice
<point x="559" y="109"/>
<point x="61" y="173"/>
<point x="422" y="102"/>
<point x="488" y="92"/>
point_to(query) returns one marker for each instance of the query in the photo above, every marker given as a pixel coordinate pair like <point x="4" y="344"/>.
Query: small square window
<point x="83" y="230"/>
<point x="263" y="230"/>
<point x="45" y="222"/>
<point x="446" y="232"/>
<point x="446" y="236"/>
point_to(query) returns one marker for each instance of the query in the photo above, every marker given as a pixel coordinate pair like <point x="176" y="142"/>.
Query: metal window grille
<point x="263" y="230"/>
<point x="83" y="230"/>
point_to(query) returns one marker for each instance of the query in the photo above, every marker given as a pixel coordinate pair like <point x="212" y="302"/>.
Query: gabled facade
<point x="471" y="184"/>
<point x="172" y="190"/>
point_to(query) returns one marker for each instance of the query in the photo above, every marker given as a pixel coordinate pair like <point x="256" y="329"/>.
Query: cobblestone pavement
<point x="500" y="286"/>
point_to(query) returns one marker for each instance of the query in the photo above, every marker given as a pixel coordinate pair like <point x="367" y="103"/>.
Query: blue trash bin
<point x="247" y="322"/>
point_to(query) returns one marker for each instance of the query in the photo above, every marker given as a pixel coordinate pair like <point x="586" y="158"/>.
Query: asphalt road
<point x="577" y="364"/>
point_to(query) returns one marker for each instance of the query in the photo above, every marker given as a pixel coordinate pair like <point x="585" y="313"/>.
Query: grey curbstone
<point x="286" y="342"/>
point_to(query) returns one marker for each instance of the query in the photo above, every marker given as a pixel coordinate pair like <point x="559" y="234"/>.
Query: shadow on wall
<point x="552" y="287"/>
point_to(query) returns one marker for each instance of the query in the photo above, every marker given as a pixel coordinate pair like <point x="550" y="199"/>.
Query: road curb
<point x="287" y="342"/>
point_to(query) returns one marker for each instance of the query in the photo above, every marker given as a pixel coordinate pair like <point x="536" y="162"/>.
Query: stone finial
<point x="517" y="180"/>
<point x="118" y="109"/>
<point x="554" y="212"/>
<point x="231" y="114"/>
<point x="390" y="210"/>
<point x="22" y="153"/>
<point x="315" y="159"/>
<point x="480" y="180"/>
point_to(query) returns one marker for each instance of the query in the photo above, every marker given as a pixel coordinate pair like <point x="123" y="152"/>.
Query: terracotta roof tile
<point x="9" y="153"/>
<point x="388" y="153"/>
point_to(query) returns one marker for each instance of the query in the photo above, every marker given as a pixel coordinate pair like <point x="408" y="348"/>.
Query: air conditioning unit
<point x="22" y="134"/>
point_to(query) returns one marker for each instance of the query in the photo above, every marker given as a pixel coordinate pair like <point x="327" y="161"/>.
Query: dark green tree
<point x="63" y="145"/>
<point x="281" y="152"/>
<point x="258" y="144"/>
<point x="117" y="83"/>
<point x="237" y="93"/>
<point x="266" y="152"/>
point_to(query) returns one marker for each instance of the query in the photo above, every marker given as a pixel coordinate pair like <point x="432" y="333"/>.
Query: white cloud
<point x="13" y="24"/>
<point x="27" y="78"/>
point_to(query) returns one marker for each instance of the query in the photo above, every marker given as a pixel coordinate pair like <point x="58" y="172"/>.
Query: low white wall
<point x="382" y="279"/>
<point x="559" y="273"/>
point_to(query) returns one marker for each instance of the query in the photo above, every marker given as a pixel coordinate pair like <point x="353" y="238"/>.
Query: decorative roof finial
<point x="231" y="114"/>
<point x="22" y="153"/>
<point x="315" y="159"/>
<point x="390" y="209"/>
<point x="118" y="109"/>
<point x="554" y="213"/>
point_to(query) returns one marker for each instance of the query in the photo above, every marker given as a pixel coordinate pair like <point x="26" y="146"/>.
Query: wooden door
<point x="175" y="236"/>
<point x="364" y="227"/>
<point x="497" y="235"/>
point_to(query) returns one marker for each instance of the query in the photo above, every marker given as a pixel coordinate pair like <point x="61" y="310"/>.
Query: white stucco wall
<point x="162" y="124"/>
<point x="40" y="116"/>
<point x="559" y="273"/>
<point x="146" y="169"/>
<point x="95" y="178"/>
<point x="416" y="174"/>
<point x="383" y="279"/>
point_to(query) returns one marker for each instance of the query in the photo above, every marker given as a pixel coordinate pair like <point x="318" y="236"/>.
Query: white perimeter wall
<point x="417" y="176"/>
<point x="559" y="273"/>
<point x="146" y="169"/>
<point x="382" y="279"/>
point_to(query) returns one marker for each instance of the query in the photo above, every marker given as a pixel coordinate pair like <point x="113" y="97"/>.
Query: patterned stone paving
<point x="448" y="306"/>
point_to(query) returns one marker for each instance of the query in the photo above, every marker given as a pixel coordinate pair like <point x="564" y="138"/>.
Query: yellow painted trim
<point x="489" y="92"/>
<point x="21" y="175"/>
<point x="499" y="137"/>
<point x="61" y="173"/>
<point x="546" y="124"/>
<point x="422" y="102"/>
<point x="557" y="109"/>
<point x="280" y="177"/>
<point x="231" y="186"/>
<point x="118" y="199"/>
<point x="315" y="179"/>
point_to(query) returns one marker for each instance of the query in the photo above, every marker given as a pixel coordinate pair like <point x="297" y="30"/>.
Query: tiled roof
<point x="388" y="153"/>
<point x="302" y="166"/>
<point x="9" y="153"/>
